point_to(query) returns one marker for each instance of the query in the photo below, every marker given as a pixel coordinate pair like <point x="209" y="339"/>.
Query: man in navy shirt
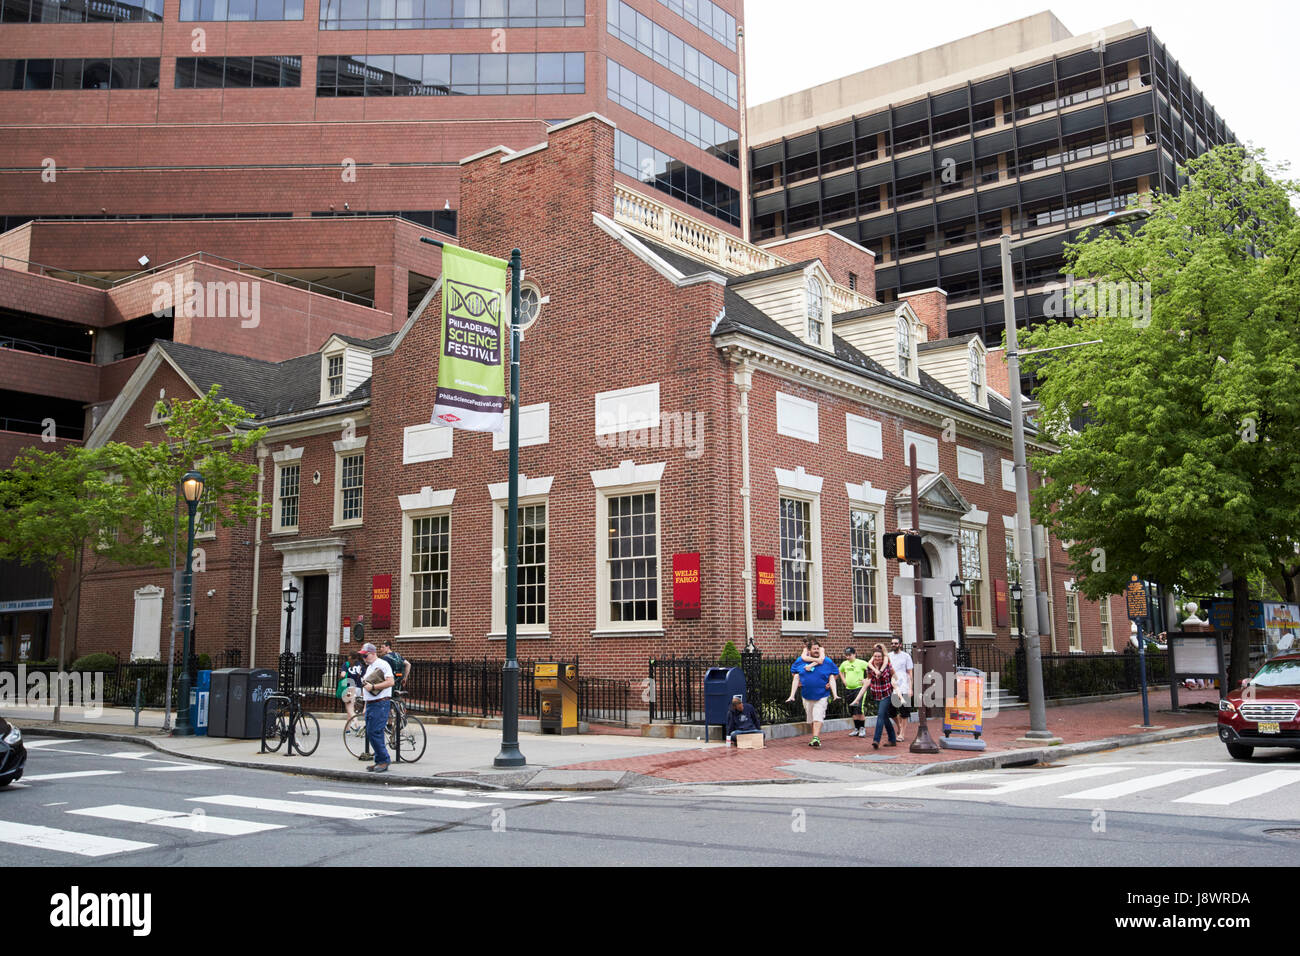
<point x="817" y="687"/>
<point x="741" y="719"/>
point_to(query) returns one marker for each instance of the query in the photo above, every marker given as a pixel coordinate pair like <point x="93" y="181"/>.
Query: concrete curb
<point x="1033" y="755"/>
<point x="506" y="781"/>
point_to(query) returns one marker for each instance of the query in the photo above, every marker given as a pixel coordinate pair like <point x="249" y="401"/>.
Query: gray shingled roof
<point x="264" y="389"/>
<point x="769" y="273"/>
<point x="946" y="343"/>
<point x="684" y="264"/>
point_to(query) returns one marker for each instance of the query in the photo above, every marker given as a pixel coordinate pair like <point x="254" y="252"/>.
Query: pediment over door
<point x="941" y="505"/>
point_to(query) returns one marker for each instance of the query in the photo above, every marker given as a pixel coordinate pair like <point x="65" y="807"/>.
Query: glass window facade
<point x="796" y="560"/>
<point x="237" y="72"/>
<point x="429" y="572"/>
<point x="706" y="16"/>
<point x="203" y="11"/>
<point x="530" y="594"/>
<point x="655" y="168"/>
<point x="81" y="11"/>
<point x="354" y="469"/>
<point x="449" y="14"/>
<point x="633" y="558"/>
<point x="862" y="544"/>
<point x="119" y="73"/>
<point x="289" y="482"/>
<point x="972" y="571"/>
<point x="667" y="49"/>
<point x="666" y="111"/>
<point x="450" y="74"/>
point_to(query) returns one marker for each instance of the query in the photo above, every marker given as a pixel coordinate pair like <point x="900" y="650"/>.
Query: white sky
<point x="1241" y="55"/>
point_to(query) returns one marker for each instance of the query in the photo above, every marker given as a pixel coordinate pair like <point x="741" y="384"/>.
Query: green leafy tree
<point x="210" y="434"/>
<point x="1189" y="461"/>
<point x="72" y="513"/>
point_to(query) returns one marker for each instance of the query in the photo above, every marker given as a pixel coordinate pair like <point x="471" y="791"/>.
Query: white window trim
<point x="285" y="456"/>
<point x="1071" y="592"/>
<point x="413" y="459"/>
<point x="605" y="425"/>
<point x="1107" y="625"/>
<point x="345" y="449"/>
<point x="801" y="486"/>
<point x="969" y="523"/>
<point x="865" y="498"/>
<point x="534" y="491"/>
<point x="627" y="479"/>
<point x="1008" y="475"/>
<point x="528" y="416"/>
<point x="977" y="360"/>
<point x="341" y="354"/>
<point x="921" y="442"/>
<point x="425" y="503"/>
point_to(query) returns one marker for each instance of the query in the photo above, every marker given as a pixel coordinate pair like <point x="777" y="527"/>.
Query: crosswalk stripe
<point x="177" y="767"/>
<point x="37" y="744"/>
<point x="194" y="822"/>
<point x="1252" y="786"/>
<point x="911" y="783"/>
<point x="292" y="806"/>
<point x="1040" y="778"/>
<point x="385" y="798"/>
<point x="1138" y="784"/>
<point x="66" y="841"/>
<point x="69" y="775"/>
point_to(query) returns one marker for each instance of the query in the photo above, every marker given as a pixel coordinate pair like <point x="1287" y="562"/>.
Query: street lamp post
<point x="290" y="593"/>
<point x="1029" y="619"/>
<point x="192" y="489"/>
<point x="958" y="590"/>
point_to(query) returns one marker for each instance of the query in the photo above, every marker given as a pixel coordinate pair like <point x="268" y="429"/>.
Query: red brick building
<point x="682" y="392"/>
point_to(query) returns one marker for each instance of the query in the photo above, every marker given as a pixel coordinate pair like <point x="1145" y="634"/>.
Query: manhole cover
<point x="967" y="786"/>
<point x="877" y="805"/>
<point x="1286" y="833"/>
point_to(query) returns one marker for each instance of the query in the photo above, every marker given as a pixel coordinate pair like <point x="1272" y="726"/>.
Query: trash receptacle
<point x="720" y="685"/>
<point x="219" y="702"/>
<point x="248" y="689"/>
<point x="199" y="710"/>
<point x="557" y="696"/>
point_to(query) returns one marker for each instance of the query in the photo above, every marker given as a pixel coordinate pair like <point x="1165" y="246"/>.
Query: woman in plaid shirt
<point x="880" y="683"/>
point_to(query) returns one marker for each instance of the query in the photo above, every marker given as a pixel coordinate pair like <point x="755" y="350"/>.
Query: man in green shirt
<point x="853" y="672"/>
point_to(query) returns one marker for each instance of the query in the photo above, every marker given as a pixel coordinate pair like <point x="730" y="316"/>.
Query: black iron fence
<point x="451" y="688"/>
<point x="120" y="676"/>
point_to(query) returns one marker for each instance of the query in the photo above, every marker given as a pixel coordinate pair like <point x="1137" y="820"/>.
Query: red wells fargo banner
<point x="381" y="600"/>
<point x="686" y="585"/>
<point x="765" y="586"/>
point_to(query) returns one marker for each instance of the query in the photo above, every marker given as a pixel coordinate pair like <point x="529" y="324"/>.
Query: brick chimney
<point x="841" y="257"/>
<point x="931" y="307"/>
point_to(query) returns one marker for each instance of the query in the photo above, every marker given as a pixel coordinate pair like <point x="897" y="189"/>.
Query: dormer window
<point x="816" y="310"/>
<point x="334" y="376"/>
<point x="904" y="347"/>
<point x="976" y="376"/>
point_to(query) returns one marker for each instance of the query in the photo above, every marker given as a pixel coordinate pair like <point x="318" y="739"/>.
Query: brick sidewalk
<point x="1074" y="723"/>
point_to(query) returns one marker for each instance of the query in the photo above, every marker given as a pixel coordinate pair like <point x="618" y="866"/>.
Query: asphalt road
<point x="105" y="804"/>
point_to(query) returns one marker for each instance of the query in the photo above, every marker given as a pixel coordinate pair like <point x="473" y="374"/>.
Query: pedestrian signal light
<point x="898" y="545"/>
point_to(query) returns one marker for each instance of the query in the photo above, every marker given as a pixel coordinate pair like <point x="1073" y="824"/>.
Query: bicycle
<point x="283" y="718"/>
<point x="407" y="738"/>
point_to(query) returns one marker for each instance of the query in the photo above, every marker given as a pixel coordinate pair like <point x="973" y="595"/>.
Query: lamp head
<point x="957" y="588"/>
<point x="192" y="486"/>
<point x="290" y="593"/>
<point x="1016" y="591"/>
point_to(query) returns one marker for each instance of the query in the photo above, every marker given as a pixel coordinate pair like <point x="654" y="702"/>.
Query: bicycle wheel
<point x="306" y="733"/>
<point x="354" y="735"/>
<point x="412" y="740"/>
<point x="275" y="725"/>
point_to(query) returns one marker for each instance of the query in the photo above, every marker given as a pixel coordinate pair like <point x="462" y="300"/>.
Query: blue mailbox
<point x="200" y="695"/>
<point x="720" y="685"/>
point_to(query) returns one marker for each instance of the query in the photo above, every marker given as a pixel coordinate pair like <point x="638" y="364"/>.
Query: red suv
<point x="1265" y="712"/>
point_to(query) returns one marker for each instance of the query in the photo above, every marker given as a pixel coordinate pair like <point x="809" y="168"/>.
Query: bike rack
<point x="292" y="723"/>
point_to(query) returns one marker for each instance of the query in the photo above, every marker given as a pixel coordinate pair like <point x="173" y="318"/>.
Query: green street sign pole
<point x="510" y="755"/>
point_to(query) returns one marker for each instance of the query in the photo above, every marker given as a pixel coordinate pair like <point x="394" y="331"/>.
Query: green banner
<point x="471" y="378"/>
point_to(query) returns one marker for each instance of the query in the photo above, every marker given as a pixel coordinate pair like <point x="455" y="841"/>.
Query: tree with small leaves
<point x="1189" y="461"/>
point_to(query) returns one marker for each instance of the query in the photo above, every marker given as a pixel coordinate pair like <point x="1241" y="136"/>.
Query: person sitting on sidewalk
<point x="817" y="684"/>
<point x="741" y="719"/>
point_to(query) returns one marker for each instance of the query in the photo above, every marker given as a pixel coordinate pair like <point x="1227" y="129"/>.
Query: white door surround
<point x="303" y="558"/>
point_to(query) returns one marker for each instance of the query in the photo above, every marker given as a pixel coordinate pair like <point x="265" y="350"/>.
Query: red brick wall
<point x="44" y="295"/>
<point x="997" y="372"/>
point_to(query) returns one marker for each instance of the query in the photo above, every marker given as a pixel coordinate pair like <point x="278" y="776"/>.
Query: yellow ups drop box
<point x="557" y="696"/>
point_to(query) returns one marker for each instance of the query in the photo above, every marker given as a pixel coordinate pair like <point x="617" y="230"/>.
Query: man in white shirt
<point x="901" y="661"/>
<point x="377" y="690"/>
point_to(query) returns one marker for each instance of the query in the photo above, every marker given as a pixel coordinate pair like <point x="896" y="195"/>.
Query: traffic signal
<point x="901" y="546"/>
